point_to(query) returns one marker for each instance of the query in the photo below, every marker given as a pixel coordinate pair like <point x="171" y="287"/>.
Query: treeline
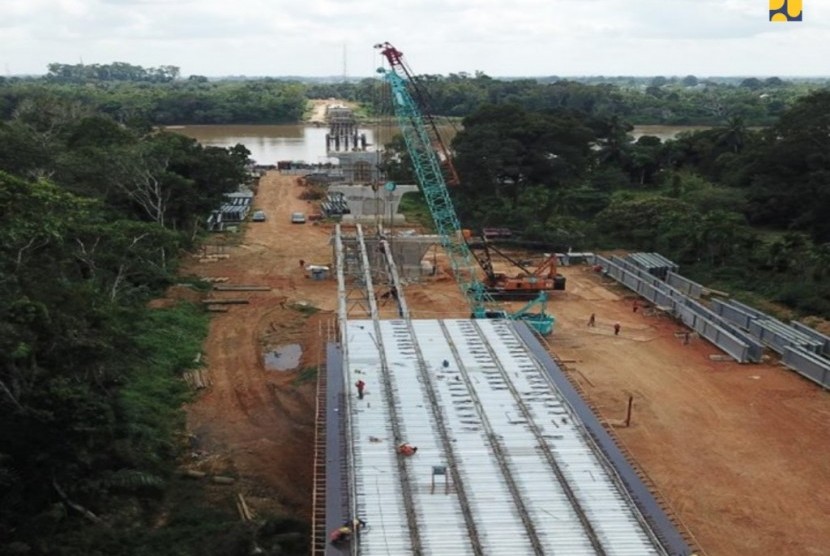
<point x="660" y="100"/>
<point x="116" y="71"/>
<point x="93" y="218"/>
<point x="738" y="208"/>
<point x="195" y="101"/>
<point x="161" y="96"/>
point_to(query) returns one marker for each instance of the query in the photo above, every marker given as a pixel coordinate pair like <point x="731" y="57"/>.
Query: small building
<point x="232" y="212"/>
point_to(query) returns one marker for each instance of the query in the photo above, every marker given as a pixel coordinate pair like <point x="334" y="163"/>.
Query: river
<point x="300" y="142"/>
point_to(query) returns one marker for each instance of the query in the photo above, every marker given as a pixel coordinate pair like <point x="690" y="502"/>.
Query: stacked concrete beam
<point x="653" y="263"/>
<point x="808" y="365"/>
<point x="688" y="287"/>
<point x="709" y="325"/>
<point x="815" y="335"/>
<point x="778" y="336"/>
<point x="733" y="313"/>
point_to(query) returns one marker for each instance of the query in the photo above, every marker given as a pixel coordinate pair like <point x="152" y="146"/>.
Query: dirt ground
<point x="254" y="423"/>
<point x="740" y="452"/>
<point x="318" y="109"/>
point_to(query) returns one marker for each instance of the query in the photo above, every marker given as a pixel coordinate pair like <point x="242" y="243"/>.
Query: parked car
<point x="259" y="216"/>
<point x="298" y="218"/>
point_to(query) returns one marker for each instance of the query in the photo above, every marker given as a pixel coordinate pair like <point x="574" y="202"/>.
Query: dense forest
<point x="97" y="206"/>
<point x="740" y="209"/>
<point x="161" y="96"/>
<point x="94" y="216"/>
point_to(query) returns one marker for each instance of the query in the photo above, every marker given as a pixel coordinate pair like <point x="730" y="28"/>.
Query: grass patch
<point x="414" y="207"/>
<point x="149" y="403"/>
<point x="196" y="283"/>
<point x="304" y="308"/>
<point x="170" y="338"/>
<point x="306" y="375"/>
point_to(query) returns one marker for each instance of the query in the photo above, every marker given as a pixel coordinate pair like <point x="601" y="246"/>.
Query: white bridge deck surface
<point x="440" y="520"/>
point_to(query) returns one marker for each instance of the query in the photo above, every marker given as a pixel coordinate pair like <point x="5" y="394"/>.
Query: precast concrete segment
<point x="670" y="539"/>
<point x="528" y="416"/>
<point x="423" y="356"/>
<point x="387" y="379"/>
<point x="406" y="344"/>
<point x="554" y="515"/>
<point x="446" y="443"/>
<point x="610" y="519"/>
<point x="498" y="450"/>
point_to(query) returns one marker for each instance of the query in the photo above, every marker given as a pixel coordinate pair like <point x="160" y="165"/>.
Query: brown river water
<point x="303" y="142"/>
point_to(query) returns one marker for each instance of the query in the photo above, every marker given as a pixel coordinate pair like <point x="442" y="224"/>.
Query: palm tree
<point x="734" y="134"/>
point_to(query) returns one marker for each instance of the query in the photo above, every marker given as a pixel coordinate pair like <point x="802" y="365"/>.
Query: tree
<point x="791" y="171"/>
<point x="504" y="149"/>
<point x="751" y="83"/>
<point x="689" y="81"/>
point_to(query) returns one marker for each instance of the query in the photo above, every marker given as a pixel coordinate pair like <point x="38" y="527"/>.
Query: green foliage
<point x="414" y="207"/>
<point x="161" y="101"/>
<point x="305" y="308"/>
<point x="186" y="523"/>
<point x="306" y="375"/>
<point x="634" y="221"/>
<point x="167" y="341"/>
<point x="90" y="387"/>
<point x="117" y="71"/>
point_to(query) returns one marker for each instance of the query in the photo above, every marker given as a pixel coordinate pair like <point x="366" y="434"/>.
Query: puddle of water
<point x="283" y="358"/>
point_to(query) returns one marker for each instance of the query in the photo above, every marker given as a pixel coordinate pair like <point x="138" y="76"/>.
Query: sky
<point x="497" y="37"/>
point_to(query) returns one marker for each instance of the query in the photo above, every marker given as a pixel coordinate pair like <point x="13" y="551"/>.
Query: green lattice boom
<point x="434" y="188"/>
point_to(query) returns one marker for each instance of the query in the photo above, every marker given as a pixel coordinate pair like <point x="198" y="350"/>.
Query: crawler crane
<point x="421" y="137"/>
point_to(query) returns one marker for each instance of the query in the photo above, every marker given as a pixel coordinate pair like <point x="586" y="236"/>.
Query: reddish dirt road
<point x="740" y="452"/>
<point x="255" y="423"/>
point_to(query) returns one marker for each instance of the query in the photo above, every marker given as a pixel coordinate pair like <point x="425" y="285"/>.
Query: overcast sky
<point x="498" y="37"/>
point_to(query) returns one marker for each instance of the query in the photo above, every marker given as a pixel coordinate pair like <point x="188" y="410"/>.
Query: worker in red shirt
<point x="406" y="449"/>
<point x="360" y="385"/>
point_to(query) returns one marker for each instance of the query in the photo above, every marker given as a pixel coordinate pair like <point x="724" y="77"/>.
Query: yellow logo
<point x="785" y="10"/>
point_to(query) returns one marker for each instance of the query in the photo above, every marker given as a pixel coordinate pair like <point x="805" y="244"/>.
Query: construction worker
<point x="341" y="535"/>
<point x="592" y="320"/>
<point x="407" y="449"/>
<point x="616" y="329"/>
<point x="360" y="385"/>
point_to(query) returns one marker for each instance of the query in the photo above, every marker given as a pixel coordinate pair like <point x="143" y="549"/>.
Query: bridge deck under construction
<point x="510" y="460"/>
<point x="520" y="473"/>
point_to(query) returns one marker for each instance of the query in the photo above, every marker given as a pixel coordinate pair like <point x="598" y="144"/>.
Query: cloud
<point x="522" y="37"/>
